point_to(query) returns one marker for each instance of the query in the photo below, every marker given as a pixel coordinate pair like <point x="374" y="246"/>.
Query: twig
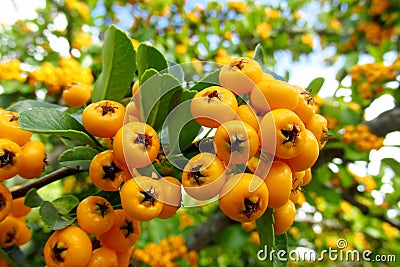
<point x="206" y="232"/>
<point x="45" y="180"/>
<point x="365" y="210"/>
<point x="386" y="122"/>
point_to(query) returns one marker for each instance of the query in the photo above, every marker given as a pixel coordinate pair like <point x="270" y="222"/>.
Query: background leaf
<point x="51" y="121"/>
<point x="207" y="81"/>
<point x="149" y="57"/>
<point x="259" y="56"/>
<point x="315" y="85"/>
<point x="118" y="66"/>
<point x="78" y="157"/>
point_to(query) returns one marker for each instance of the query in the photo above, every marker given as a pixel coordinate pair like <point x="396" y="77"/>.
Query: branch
<point x="326" y="155"/>
<point x="348" y="196"/>
<point x="42" y="181"/>
<point x="386" y="122"/>
<point x="206" y="232"/>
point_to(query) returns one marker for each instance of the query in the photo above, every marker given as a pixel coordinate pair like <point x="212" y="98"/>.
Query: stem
<point x="45" y="180"/>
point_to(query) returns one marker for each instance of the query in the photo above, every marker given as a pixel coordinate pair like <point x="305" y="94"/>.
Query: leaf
<point x="78" y="157"/>
<point x="259" y="56"/>
<point x="182" y="128"/>
<point x="112" y="196"/>
<point x="207" y="81"/>
<point x="376" y="52"/>
<point x="7" y="258"/>
<point x="118" y="66"/>
<point x="52" y="218"/>
<point x="51" y="121"/>
<point x="345" y="177"/>
<point x="341" y="74"/>
<point x="393" y="164"/>
<point x="351" y="60"/>
<point x="156" y="94"/>
<point x="149" y="57"/>
<point x="350" y="153"/>
<point x="315" y="85"/>
<point x="265" y="228"/>
<point x="29" y="104"/>
<point x="280" y="247"/>
<point x="232" y="238"/>
<point x="32" y="199"/>
<point x="7" y="99"/>
<point x="65" y="203"/>
<point x="176" y="70"/>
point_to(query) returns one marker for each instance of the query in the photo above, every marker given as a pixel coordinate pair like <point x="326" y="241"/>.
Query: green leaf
<point x="8" y="99"/>
<point x="393" y="164"/>
<point x="265" y="228"/>
<point x="156" y="94"/>
<point x="232" y="238"/>
<point x="341" y="74"/>
<point x="345" y="177"/>
<point x="8" y="259"/>
<point x="78" y="157"/>
<point x="280" y="246"/>
<point x="149" y="57"/>
<point x="376" y="52"/>
<point x="29" y="104"/>
<point x="259" y="56"/>
<point x="176" y="70"/>
<point x="182" y="128"/>
<point x="32" y="199"/>
<point x="207" y="81"/>
<point x="65" y="203"/>
<point x="51" y="121"/>
<point x="315" y="85"/>
<point x="351" y="60"/>
<point x="118" y="66"/>
<point x="350" y="153"/>
<point x="52" y="218"/>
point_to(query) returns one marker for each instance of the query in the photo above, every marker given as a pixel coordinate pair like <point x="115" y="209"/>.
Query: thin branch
<point x="386" y="122"/>
<point x="42" y="181"/>
<point x="366" y="210"/>
<point x="326" y="155"/>
<point x="206" y="232"/>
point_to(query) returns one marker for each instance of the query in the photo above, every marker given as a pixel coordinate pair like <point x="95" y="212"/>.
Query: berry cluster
<point x="19" y="153"/>
<point x="166" y="252"/>
<point x="13" y="227"/>
<point x="361" y="137"/>
<point x="370" y="79"/>
<point x="266" y="137"/>
<point x="62" y="77"/>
